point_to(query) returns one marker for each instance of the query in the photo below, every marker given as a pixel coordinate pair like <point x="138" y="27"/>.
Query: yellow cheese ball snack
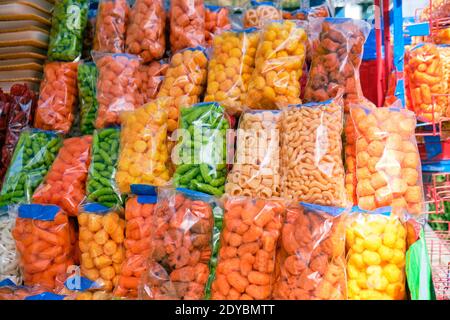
<point x="143" y="151"/>
<point x="230" y="68"/>
<point x="376" y="246"/>
<point x="101" y="237"/>
<point x="278" y="66"/>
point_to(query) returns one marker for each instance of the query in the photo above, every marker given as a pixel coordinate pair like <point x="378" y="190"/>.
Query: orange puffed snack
<point x="117" y="87"/>
<point x="312" y="256"/>
<point x="216" y="20"/>
<point x="43" y="241"/>
<point x="426" y="81"/>
<point x="248" y="243"/>
<point x="150" y="78"/>
<point x="58" y="97"/>
<point x="65" y="182"/>
<point x="388" y="168"/>
<point x="146" y="30"/>
<point x="110" y="26"/>
<point x="187" y="24"/>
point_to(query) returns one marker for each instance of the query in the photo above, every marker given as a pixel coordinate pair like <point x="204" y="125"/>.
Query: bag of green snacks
<point x="87" y="89"/>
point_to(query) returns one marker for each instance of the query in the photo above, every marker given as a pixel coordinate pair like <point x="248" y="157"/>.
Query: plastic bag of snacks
<point x="33" y="156"/>
<point x="139" y="215"/>
<point x="184" y="81"/>
<point x="182" y="239"/>
<point x="117" y="87"/>
<point x="146" y="30"/>
<point x="69" y="20"/>
<point x="110" y="28"/>
<point x="256" y="171"/>
<point x="202" y="151"/>
<point x="388" y="168"/>
<point x="150" y="79"/>
<point x="65" y="183"/>
<point x="42" y="238"/>
<point x="216" y="20"/>
<point x="321" y="11"/>
<point x="89" y="31"/>
<point x="57" y="97"/>
<point x="311" y="153"/>
<point x="81" y="288"/>
<point x="444" y="52"/>
<point x="9" y="258"/>
<point x="23" y="104"/>
<point x="312" y="255"/>
<point x="101" y="184"/>
<point x="338" y="45"/>
<point x="376" y="246"/>
<point x="442" y="36"/>
<point x="278" y="65"/>
<point x="230" y="68"/>
<point x="260" y="13"/>
<point x="87" y="93"/>
<point x="5" y="103"/>
<point x="248" y="243"/>
<point x="426" y="81"/>
<point x="187" y="24"/>
<point x="102" y="233"/>
<point x="143" y="151"/>
<point x="9" y="290"/>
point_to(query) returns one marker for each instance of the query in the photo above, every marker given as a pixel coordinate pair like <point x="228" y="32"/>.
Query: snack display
<point x="57" y="97"/>
<point x="102" y="234"/>
<point x="278" y="66"/>
<point x="69" y="20"/>
<point x="312" y="256"/>
<point x="87" y="94"/>
<point x="230" y="68"/>
<point x="33" y="156"/>
<point x="143" y="150"/>
<point x="9" y="258"/>
<point x="260" y="13"/>
<point x="216" y="20"/>
<point x="145" y="34"/>
<point x="65" y="183"/>
<point x="187" y="24"/>
<point x="201" y="155"/>
<point x="248" y="243"/>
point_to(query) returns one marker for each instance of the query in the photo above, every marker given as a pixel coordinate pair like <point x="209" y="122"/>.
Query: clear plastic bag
<point x="42" y="235"/>
<point x="117" y="87"/>
<point x="311" y="153"/>
<point x="259" y="13"/>
<point x="312" y="255"/>
<point x="150" y="79"/>
<point x="182" y="246"/>
<point x="87" y="93"/>
<point x="143" y="155"/>
<point x="388" y="168"/>
<point x="69" y="20"/>
<point x="278" y="65"/>
<point x="376" y="247"/>
<point x="202" y="151"/>
<point x="248" y="243"/>
<point x="89" y="31"/>
<point x="321" y="11"/>
<point x="230" y="68"/>
<point x="81" y="288"/>
<point x="32" y="158"/>
<point x="256" y="171"/>
<point x="444" y="52"/>
<point x="110" y="29"/>
<point x="9" y="290"/>
<point x="102" y="233"/>
<point x="146" y="30"/>
<point x="216" y="21"/>
<point x="9" y="258"/>
<point x="65" y="183"/>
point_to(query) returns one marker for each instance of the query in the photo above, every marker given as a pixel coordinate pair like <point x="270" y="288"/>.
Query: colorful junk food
<point x="32" y="158"/>
<point x="187" y="24"/>
<point x="256" y="171"/>
<point x="65" y="183"/>
<point x="42" y="235"/>
<point x="278" y="66"/>
<point x="112" y="18"/>
<point x="376" y="247"/>
<point x="57" y="97"/>
<point x="388" y="168"/>
<point x="230" y="68"/>
<point x="9" y="257"/>
<point x="117" y="87"/>
<point x="143" y="151"/>
<point x="216" y="20"/>
<point x="248" y="242"/>
<point x="145" y="35"/>
<point x="150" y="79"/>
<point x="311" y="153"/>
<point x="260" y="13"/>
<point x="338" y="45"/>
<point x="101" y="238"/>
<point x="87" y="93"/>
<point x="312" y="255"/>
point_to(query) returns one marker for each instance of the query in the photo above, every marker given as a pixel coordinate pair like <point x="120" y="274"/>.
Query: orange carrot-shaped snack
<point x="42" y="235"/>
<point x="216" y="20"/>
<point x="65" y="182"/>
<point x="58" y="97"/>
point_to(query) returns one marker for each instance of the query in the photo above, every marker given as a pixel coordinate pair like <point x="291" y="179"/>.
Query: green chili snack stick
<point x="87" y="87"/>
